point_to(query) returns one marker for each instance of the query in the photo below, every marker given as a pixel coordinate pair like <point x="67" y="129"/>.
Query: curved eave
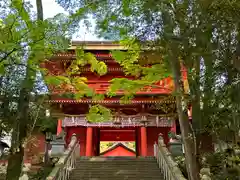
<point x="103" y="45"/>
<point x="97" y="45"/>
<point x="109" y="101"/>
<point x="104" y="92"/>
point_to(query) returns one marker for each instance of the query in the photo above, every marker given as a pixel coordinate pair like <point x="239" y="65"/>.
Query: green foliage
<point x="48" y="124"/>
<point x="98" y="97"/>
<point x="126" y="85"/>
<point x="87" y="58"/>
<point x="145" y="76"/>
<point x="131" y="145"/>
<point x="180" y="160"/>
<point x="72" y="79"/>
<point x="42" y="173"/>
<point x="105" y="145"/>
<point x="57" y="80"/>
<point x="81" y="87"/>
<point x="224" y="165"/>
<point x="25" y="42"/>
<point x="98" y="113"/>
<point x="128" y="61"/>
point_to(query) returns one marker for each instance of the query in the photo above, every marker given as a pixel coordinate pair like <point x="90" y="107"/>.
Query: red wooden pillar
<point x="98" y="142"/>
<point x="95" y="142"/>
<point x="59" y="127"/>
<point x="89" y="141"/>
<point x="136" y="142"/>
<point x="143" y="141"/>
<point x="174" y="127"/>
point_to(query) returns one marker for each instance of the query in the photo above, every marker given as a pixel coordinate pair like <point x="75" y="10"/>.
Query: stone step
<point x="116" y="168"/>
<point x="119" y="171"/>
<point x="2" y="176"/>
<point x="117" y="158"/>
<point x="114" y="175"/>
<point x="117" y="177"/>
<point x="155" y="166"/>
<point x="116" y="172"/>
<point x="116" y="163"/>
<point x="119" y="167"/>
<point x="120" y="178"/>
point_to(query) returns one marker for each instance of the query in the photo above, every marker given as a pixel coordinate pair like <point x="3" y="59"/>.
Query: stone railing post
<point x="67" y="161"/>
<point x="155" y="149"/>
<point x="165" y="161"/>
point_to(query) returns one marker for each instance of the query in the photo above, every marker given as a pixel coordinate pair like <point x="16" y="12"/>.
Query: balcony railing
<point x="122" y="120"/>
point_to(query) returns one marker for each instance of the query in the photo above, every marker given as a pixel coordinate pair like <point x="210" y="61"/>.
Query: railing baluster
<point x="67" y="161"/>
<point x="165" y="162"/>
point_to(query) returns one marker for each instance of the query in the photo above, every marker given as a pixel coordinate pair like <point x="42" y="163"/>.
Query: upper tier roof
<point x="97" y="45"/>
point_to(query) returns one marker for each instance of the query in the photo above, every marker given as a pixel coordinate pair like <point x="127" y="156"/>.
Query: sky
<point x="51" y="8"/>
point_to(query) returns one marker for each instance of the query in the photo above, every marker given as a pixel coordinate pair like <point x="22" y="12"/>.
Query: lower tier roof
<point x="114" y="100"/>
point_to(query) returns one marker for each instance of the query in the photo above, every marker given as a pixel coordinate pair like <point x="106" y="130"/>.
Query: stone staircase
<point x="116" y="168"/>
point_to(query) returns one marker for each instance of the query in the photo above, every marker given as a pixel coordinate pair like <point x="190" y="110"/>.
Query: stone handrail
<point x="166" y="163"/>
<point x="67" y="161"/>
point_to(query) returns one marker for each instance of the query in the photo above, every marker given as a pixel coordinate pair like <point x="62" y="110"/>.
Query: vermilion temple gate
<point x="150" y="112"/>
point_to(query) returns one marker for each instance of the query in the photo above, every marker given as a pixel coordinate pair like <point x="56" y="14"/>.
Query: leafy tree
<point x="105" y="145"/>
<point x="25" y="42"/>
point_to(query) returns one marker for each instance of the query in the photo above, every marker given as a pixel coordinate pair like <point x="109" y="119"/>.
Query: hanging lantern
<point x="144" y="120"/>
<point x="157" y="121"/>
<point x="47" y="113"/>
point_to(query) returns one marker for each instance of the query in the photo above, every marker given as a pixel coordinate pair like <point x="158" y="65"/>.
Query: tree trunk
<point x="15" y="161"/>
<point x="187" y="135"/>
<point x="19" y="134"/>
<point x="194" y="87"/>
<point x="39" y="10"/>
